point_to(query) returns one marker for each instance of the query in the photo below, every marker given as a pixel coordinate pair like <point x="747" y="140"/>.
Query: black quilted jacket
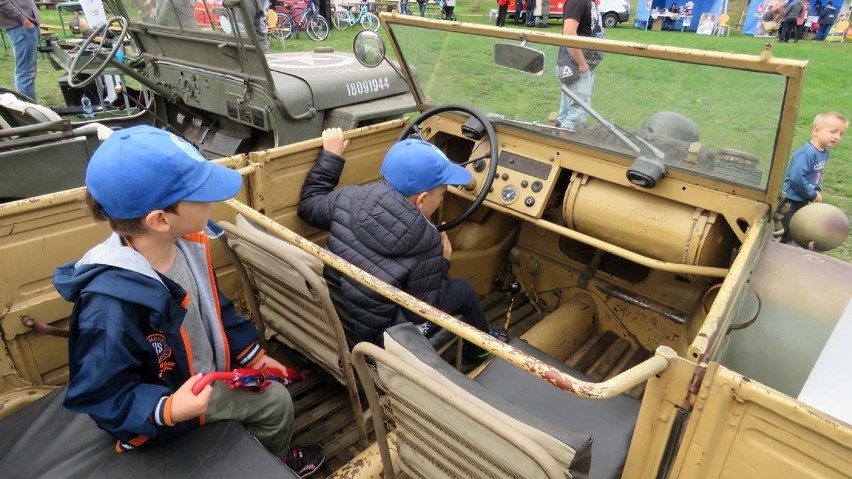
<point x="379" y="230"/>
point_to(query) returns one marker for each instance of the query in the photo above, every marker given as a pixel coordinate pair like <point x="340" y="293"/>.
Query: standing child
<point x="148" y="318"/>
<point x="804" y="176"/>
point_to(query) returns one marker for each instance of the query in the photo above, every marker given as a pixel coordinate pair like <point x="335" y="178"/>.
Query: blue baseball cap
<point x="415" y="166"/>
<point x="142" y="169"/>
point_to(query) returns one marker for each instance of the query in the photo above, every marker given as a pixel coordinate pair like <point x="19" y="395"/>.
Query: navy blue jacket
<point x="127" y="348"/>
<point x="377" y="229"/>
<point x="804" y="175"/>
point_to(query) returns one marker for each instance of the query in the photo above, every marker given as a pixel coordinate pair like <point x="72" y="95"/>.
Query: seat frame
<point x="323" y="300"/>
<point x="366" y="355"/>
<point x="835" y="33"/>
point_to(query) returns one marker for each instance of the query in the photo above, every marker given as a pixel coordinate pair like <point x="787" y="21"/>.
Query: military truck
<point x="655" y="328"/>
<point x="210" y="84"/>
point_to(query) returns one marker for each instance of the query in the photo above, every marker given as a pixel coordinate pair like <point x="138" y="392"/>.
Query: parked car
<point x="613" y="12"/>
<point x="655" y="328"/>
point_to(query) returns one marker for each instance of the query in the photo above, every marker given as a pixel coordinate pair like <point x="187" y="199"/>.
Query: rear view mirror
<point x="519" y="58"/>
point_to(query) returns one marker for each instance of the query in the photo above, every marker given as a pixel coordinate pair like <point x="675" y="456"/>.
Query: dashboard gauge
<point x="509" y="194"/>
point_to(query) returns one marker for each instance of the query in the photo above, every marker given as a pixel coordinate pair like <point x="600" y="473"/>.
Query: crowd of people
<point x="791" y="19"/>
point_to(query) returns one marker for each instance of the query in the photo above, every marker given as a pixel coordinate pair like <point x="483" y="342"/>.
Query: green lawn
<point x="827" y="84"/>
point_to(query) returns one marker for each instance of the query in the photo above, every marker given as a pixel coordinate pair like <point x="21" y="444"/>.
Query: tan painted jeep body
<point x="691" y="307"/>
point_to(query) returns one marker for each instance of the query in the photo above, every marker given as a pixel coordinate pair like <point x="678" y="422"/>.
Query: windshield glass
<point x="204" y="16"/>
<point x="735" y="113"/>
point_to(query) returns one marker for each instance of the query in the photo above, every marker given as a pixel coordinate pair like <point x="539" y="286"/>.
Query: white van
<point x="613" y="12"/>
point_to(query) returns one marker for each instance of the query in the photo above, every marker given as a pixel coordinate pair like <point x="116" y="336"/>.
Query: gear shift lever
<point x="502" y="334"/>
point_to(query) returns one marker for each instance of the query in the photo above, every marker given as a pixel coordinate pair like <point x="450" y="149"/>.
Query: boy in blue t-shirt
<point x="804" y="176"/>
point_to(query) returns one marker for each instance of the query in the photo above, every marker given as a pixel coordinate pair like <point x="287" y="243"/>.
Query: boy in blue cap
<point x="148" y="318"/>
<point x="384" y="229"/>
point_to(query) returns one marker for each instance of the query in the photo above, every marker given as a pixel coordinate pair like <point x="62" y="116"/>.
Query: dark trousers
<point x="823" y="31"/>
<point x="460" y="298"/>
<point x="502" y="10"/>
<point x="788" y="29"/>
<point x="785" y="220"/>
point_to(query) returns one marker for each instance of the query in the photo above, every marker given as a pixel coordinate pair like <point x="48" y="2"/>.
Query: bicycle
<point x="344" y="17"/>
<point x="309" y="19"/>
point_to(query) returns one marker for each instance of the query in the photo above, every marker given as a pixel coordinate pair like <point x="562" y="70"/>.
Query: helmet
<point x="675" y="125"/>
<point x="819" y="226"/>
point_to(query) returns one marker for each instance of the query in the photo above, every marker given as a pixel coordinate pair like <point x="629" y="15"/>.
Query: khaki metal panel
<point x="36" y="236"/>
<point x="665" y="399"/>
<point x="740" y="428"/>
<point x="277" y="186"/>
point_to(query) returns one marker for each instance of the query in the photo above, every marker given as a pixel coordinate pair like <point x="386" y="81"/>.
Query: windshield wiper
<point x="615" y="130"/>
<point x="498" y="117"/>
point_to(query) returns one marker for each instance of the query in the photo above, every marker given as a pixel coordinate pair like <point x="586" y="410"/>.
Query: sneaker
<point x="473" y="354"/>
<point x="304" y="460"/>
<point x="500" y="334"/>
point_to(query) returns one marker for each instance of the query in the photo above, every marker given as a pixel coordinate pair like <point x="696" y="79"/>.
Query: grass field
<point x="828" y="81"/>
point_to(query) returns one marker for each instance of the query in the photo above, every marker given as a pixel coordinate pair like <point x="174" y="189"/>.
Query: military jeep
<point x="210" y="84"/>
<point x="655" y="329"/>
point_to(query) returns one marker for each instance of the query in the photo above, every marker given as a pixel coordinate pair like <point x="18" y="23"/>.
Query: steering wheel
<point x="117" y="43"/>
<point x="492" y="162"/>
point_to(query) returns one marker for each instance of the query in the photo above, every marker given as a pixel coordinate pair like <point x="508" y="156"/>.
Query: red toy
<point x="256" y="380"/>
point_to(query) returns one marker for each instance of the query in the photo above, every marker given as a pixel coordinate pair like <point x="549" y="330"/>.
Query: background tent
<point x="755" y="11"/>
<point x="644" y="8"/>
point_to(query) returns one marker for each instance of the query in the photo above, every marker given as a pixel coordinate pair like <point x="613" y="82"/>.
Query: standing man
<point x="788" y="28"/>
<point x="545" y="13"/>
<point x="575" y="67"/>
<point x="20" y="19"/>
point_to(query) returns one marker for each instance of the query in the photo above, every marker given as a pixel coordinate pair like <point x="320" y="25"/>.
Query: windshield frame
<point x="791" y="70"/>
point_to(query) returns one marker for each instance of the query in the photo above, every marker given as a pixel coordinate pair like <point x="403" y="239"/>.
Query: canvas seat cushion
<point x="44" y="440"/>
<point x="610" y="422"/>
<point x="570" y="449"/>
<point x="26" y="113"/>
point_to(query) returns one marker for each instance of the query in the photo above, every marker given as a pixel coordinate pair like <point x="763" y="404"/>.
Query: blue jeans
<point x="822" y="32"/>
<point x="422" y="7"/>
<point x="570" y="112"/>
<point x="25" y="47"/>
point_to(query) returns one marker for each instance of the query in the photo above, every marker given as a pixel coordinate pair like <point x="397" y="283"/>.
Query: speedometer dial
<point x="509" y="194"/>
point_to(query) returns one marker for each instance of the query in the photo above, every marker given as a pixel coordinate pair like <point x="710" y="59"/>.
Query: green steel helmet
<point x="819" y="226"/>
